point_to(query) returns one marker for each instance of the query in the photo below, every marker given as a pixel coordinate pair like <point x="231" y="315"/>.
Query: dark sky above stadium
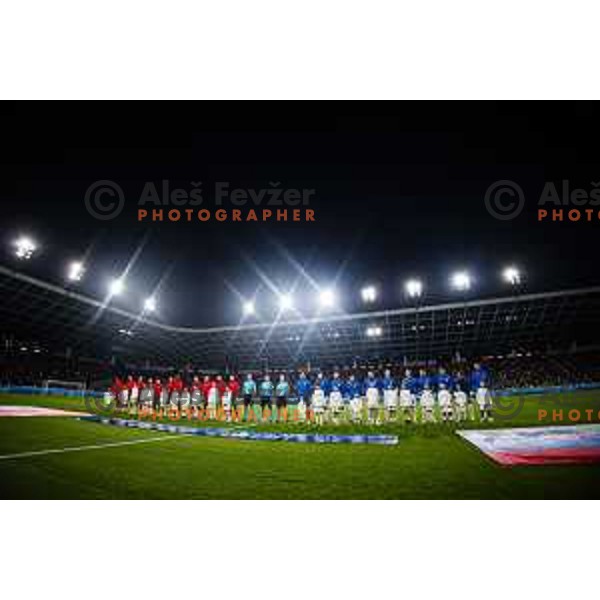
<point x="399" y="192"/>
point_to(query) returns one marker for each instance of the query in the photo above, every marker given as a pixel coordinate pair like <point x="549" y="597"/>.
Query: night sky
<point x="399" y="193"/>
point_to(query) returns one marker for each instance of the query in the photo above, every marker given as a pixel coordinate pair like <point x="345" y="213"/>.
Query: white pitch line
<point x="92" y="447"/>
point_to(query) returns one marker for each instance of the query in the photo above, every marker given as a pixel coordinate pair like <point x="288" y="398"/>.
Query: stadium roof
<point x="61" y="318"/>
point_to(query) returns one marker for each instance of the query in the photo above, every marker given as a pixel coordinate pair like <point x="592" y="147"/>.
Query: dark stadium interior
<point x="399" y="193"/>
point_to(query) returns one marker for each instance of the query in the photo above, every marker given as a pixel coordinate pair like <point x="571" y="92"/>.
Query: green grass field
<point x="430" y="461"/>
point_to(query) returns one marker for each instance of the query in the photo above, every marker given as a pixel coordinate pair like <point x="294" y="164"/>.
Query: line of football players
<point x="423" y="397"/>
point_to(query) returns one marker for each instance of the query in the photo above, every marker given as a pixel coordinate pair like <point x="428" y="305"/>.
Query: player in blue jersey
<point x="323" y="383"/>
<point x="303" y="388"/>
<point x="390" y="395"/>
<point x="352" y="395"/>
<point x="304" y="393"/>
<point x="408" y="396"/>
<point x="423" y="381"/>
<point x="371" y="386"/>
<point x="443" y="378"/>
<point x="479" y="377"/>
<point x="336" y="402"/>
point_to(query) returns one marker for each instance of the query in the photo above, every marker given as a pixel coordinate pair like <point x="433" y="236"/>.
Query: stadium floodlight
<point x="374" y="331"/>
<point x="369" y="293"/>
<point x="25" y="247"/>
<point x="76" y="271"/>
<point x="116" y="286"/>
<point x="286" y="302"/>
<point x="511" y="275"/>
<point x="150" y="304"/>
<point x="414" y="288"/>
<point x="327" y="298"/>
<point x="248" y="308"/>
<point x="461" y="281"/>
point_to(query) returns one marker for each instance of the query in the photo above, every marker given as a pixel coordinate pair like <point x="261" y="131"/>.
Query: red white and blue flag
<point x="538" y="445"/>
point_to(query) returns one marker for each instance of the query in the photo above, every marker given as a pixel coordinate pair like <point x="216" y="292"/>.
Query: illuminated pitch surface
<point x="428" y="462"/>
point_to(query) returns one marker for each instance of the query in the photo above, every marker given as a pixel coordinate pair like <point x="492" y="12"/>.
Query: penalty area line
<point x="91" y="447"/>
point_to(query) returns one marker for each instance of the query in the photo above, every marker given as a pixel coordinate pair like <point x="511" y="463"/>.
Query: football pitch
<point x="56" y="457"/>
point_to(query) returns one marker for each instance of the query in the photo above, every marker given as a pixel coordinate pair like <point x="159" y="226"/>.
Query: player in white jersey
<point x="444" y="399"/>
<point x="460" y="402"/>
<point x="428" y="406"/>
<point x="319" y="403"/>
<point x="483" y="399"/>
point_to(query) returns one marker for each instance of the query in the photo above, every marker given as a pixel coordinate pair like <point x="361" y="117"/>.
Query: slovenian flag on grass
<point x="538" y="445"/>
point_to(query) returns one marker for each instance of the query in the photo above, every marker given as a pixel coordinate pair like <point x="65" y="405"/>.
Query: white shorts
<point x="356" y="404"/>
<point x="484" y="401"/>
<point x="407" y="400"/>
<point x="372" y="398"/>
<point x="213" y="399"/>
<point x="390" y="399"/>
<point x="227" y="400"/>
<point x="445" y="401"/>
<point x="335" y="401"/>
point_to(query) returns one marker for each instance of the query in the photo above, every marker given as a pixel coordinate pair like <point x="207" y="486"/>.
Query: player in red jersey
<point x="157" y="392"/>
<point x="233" y="387"/>
<point x="177" y="391"/>
<point x="133" y="393"/>
<point x="205" y="389"/>
<point x="195" y="394"/>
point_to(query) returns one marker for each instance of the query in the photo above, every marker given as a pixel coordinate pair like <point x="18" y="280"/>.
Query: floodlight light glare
<point x="248" y="308"/>
<point x="461" y="281"/>
<point x="25" y="247"/>
<point x="286" y="302"/>
<point x="116" y="287"/>
<point x="512" y="275"/>
<point x="374" y="331"/>
<point x="327" y="298"/>
<point x="369" y="293"/>
<point x="414" y="288"/>
<point x="150" y="304"/>
<point x="76" y="271"/>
